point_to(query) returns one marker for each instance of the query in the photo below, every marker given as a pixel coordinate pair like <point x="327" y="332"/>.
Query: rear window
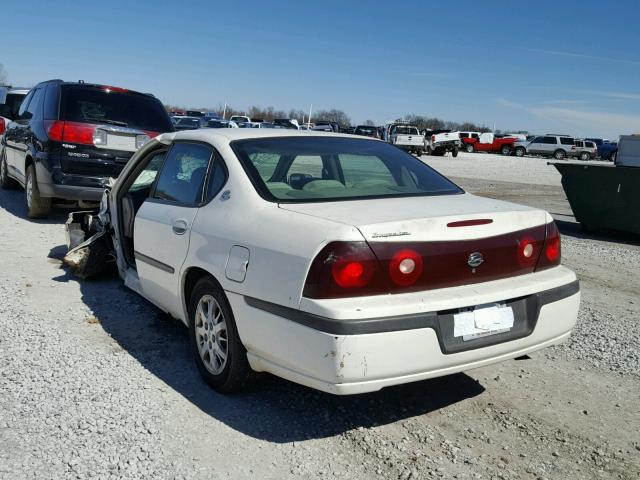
<point x="97" y="105"/>
<point x="566" y="140"/>
<point x="298" y="169"/>
<point x="406" y="131"/>
<point x="10" y="108"/>
<point x="367" y="130"/>
<point x="192" y="122"/>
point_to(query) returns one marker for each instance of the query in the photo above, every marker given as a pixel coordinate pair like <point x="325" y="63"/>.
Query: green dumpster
<point x="603" y="196"/>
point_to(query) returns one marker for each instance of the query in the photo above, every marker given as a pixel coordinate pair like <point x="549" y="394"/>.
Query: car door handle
<point x="179" y="227"/>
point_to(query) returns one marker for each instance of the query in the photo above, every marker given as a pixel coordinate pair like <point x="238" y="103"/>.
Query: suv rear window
<point x="90" y="104"/>
<point x="10" y="108"/>
<point x="316" y="169"/>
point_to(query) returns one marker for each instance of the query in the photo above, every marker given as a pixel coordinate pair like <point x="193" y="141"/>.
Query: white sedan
<point x="337" y="262"/>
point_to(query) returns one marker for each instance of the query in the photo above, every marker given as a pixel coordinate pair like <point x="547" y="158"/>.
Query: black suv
<point x="68" y="138"/>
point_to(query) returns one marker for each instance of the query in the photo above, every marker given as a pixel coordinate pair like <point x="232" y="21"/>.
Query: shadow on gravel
<point x="574" y="229"/>
<point x="271" y="409"/>
<point x="13" y="202"/>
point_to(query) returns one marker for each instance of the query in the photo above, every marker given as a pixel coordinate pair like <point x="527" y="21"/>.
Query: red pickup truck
<point x="489" y="143"/>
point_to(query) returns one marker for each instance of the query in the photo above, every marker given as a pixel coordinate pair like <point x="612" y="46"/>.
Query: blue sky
<point x="570" y="66"/>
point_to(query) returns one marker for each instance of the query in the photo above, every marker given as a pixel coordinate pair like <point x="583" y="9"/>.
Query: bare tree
<point x="333" y="115"/>
<point x="369" y="122"/>
<point x="3" y="75"/>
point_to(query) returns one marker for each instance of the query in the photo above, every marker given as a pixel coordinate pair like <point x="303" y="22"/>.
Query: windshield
<point x="10" y="108"/>
<point x="299" y="169"/>
<point x="89" y="104"/>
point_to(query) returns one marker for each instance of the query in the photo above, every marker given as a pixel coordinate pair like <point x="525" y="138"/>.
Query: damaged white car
<point x="338" y="262"/>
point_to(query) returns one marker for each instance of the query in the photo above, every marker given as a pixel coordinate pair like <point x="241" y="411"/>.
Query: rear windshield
<point x="299" y="169"/>
<point x="406" y="131"/>
<point x="10" y="108"/>
<point x="367" y="130"/>
<point x="97" y="105"/>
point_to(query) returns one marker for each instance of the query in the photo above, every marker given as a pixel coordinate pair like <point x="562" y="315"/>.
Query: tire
<point x="37" y="206"/>
<point x="6" y="182"/>
<point x="220" y="357"/>
<point x="520" y="151"/>
<point x="505" y="150"/>
<point x="454" y="153"/>
<point x="559" y="154"/>
<point x="428" y="151"/>
<point x="469" y="149"/>
<point x="585" y="156"/>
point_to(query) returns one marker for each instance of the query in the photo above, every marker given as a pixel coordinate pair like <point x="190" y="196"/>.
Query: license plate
<point x="482" y="321"/>
<point x="121" y="142"/>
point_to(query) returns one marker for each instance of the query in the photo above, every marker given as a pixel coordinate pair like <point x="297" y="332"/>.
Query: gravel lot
<point x="96" y="383"/>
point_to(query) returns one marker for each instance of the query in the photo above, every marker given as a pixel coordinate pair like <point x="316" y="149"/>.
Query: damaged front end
<point x="90" y="245"/>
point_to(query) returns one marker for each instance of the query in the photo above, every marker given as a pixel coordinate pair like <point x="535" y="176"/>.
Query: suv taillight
<point x="433" y="138"/>
<point x="70" y="132"/>
<point x="3" y="126"/>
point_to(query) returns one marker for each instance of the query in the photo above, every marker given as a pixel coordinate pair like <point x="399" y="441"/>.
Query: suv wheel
<point x="520" y="151"/>
<point x="469" y="148"/>
<point x="6" y="182"/>
<point x="219" y="354"/>
<point x="585" y="156"/>
<point x="454" y="153"/>
<point x="505" y="150"/>
<point x="37" y="206"/>
<point x="559" y="154"/>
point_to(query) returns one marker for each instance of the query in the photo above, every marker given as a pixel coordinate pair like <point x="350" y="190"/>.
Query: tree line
<point x="333" y="115"/>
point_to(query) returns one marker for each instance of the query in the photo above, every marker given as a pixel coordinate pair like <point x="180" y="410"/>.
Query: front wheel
<point x="37" y="206"/>
<point x="454" y="152"/>
<point x="520" y="151"/>
<point x="505" y="150"/>
<point x="219" y="354"/>
<point x="428" y="151"/>
<point x="585" y="156"/>
<point x="469" y="148"/>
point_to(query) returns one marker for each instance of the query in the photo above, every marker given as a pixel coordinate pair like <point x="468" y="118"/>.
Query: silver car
<point x="556" y="146"/>
<point x="585" y="150"/>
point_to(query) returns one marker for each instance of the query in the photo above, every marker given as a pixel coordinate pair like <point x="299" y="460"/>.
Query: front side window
<point x="301" y="169"/>
<point x="183" y="173"/>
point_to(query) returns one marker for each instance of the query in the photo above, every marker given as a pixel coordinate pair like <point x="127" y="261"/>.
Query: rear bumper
<point x="367" y="354"/>
<point x="71" y="187"/>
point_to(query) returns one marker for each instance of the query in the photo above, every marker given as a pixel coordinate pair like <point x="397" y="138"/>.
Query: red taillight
<point x="70" y="132"/>
<point x="115" y="89"/>
<point x="528" y="251"/>
<point x="405" y="267"/>
<point x="552" y="251"/>
<point x="344" y="269"/>
<point x="433" y="138"/>
<point x="3" y="126"/>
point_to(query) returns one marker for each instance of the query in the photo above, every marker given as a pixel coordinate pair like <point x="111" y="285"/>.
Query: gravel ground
<point x="96" y="383"/>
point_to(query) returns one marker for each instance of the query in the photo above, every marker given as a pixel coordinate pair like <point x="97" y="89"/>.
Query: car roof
<point x="231" y="134"/>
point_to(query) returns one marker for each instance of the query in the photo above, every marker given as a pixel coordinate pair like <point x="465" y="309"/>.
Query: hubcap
<point x="211" y="334"/>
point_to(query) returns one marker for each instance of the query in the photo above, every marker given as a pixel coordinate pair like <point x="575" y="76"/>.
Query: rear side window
<point x="182" y="176"/>
<point x="25" y="103"/>
<point x="566" y="140"/>
<point x="578" y="144"/>
<point x="35" y="105"/>
<point x="590" y="145"/>
<point x="89" y="104"/>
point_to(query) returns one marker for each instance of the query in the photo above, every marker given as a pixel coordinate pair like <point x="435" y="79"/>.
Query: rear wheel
<point x="6" y="182"/>
<point x="37" y="206"/>
<point x="469" y="148"/>
<point x="505" y="150"/>
<point x="219" y="354"/>
<point x="585" y="156"/>
<point x="520" y="151"/>
<point x="559" y="154"/>
<point x="454" y="152"/>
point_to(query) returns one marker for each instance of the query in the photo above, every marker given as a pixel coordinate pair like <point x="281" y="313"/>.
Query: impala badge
<point x="475" y="260"/>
